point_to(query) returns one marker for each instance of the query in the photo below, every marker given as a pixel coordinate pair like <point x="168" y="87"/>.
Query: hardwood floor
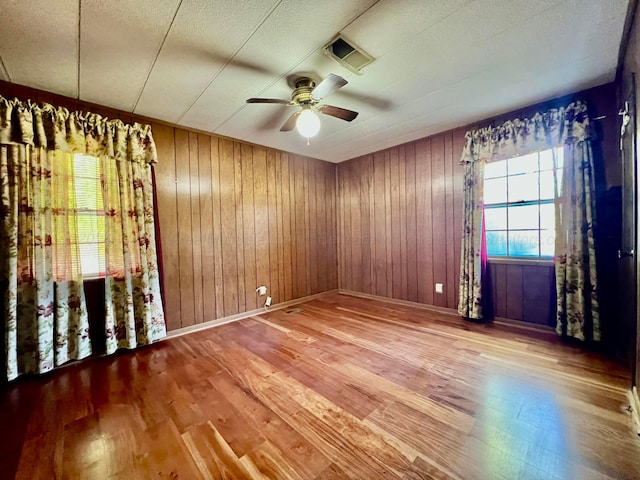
<point x="338" y="387"/>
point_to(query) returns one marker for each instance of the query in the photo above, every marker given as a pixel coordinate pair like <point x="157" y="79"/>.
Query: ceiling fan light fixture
<point x="308" y="123"/>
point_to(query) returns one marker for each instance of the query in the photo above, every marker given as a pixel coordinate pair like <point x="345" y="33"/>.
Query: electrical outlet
<point x="267" y="302"/>
<point x="439" y="288"/>
<point x="262" y="290"/>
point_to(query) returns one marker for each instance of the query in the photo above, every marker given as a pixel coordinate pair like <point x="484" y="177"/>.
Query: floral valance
<point x="56" y="128"/>
<point x="522" y="136"/>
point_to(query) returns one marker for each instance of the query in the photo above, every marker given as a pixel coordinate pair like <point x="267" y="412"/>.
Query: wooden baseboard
<point x="525" y="325"/>
<point x="448" y="311"/>
<point x="241" y="316"/>
<point x="634" y="402"/>
<point x="396" y="301"/>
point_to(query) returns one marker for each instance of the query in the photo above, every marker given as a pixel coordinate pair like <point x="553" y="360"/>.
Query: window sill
<point x="541" y="262"/>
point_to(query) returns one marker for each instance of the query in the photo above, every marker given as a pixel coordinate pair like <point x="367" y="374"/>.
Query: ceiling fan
<point x="308" y="96"/>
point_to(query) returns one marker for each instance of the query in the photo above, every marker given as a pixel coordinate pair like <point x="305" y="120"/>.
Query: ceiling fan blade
<point x="341" y="113"/>
<point x="290" y="124"/>
<point x="268" y="100"/>
<point x="326" y="87"/>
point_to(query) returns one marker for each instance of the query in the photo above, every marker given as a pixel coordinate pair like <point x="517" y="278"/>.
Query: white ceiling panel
<point x="285" y="40"/>
<point x="39" y="44"/>
<point x="438" y="64"/>
<point x="120" y="41"/>
<point x="202" y="41"/>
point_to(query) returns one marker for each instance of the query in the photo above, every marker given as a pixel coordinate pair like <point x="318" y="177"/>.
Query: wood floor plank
<point x="336" y="387"/>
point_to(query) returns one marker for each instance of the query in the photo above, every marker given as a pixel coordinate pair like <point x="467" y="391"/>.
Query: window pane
<point x="88" y="229"/>
<point x="85" y="166"/>
<point x="559" y="156"/>
<point x="547" y="216"/>
<point x="495" y="218"/>
<point x="91" y="260"/>
<point x="523" y="217"/>
<point x="495" y="190"/>
<point x="524" y="243"/>
<point x="495" y="169"/>
<point x="547" y="184"/>
<point x="523" y="187"/>
<point x="547" y="243"/>
<point x="559" y="180"/>
<point x="546" y="159"/>
<point x="497" y="244"/>
<point x="524" y="164"/>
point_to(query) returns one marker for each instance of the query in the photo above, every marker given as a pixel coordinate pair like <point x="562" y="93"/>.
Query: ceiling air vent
<point x="348" y="54"/>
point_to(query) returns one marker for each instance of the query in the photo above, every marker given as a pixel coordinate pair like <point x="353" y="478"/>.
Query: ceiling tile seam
<point x="78" y="49"/>
<point x="5" y="72"/>
<point x="291" y="68"/>
<point x="155" y="60"/>
<point x="420" y="98"/>
<point x="393" y="86"/>
<point x="412" y="38"/>
<point x="377" y="146"/>
<point x="219" y="71"/>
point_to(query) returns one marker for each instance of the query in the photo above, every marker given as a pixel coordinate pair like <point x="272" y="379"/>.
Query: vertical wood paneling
<point x="287" y="226"/>
<point x="323" y="225"/>
<point x="364" y="168"/>
<point x="396" y="249"/>
<point x="514" y="291"/>
<point x="300" y="239"/>
<point x="166" y="193"/>
<point x="248" y="227"/>
<point x="217" y="230"/>
<point x="272" y="212"/>
<point x="450" y="282"/>
<point x="196" y="240"/>
<point x="387" y="224"/>
<point x="230" y="270"/>
<point x="424" y="221"/>
<point x="332" y="172"/>
<point x="500" y="286"/>
<point x="406" y="202"/>
<point x="439" y="218"/>
<point x="380" y="234"/>
<point x="185" y="234"/>
<point x="412" y="215"/>
<point x="312" y="182"/>
<point x="208" y="269"/>
<point x="240" y="247"/>
<point x="199" y="180"/>
<point x="234" y="216"/>
<point x="402" y="200"/>
<point x="356" y="230"/>
<point x="261" y="211"/>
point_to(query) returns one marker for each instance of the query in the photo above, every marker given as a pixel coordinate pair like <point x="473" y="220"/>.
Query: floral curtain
<point x="577" y="312"/>
<point x="44" y="314"/>
<point x="575" y="262"/>
<point x="473" y="256"/>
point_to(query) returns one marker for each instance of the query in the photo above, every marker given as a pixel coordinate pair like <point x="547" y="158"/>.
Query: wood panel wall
<point x="399" y="222"/>
<point x="400" y="219"/>
<point x="232" y="216"/>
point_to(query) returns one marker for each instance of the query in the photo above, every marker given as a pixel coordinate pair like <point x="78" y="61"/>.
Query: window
<point x="90" y="215"/>
<point x="519" y="205"/>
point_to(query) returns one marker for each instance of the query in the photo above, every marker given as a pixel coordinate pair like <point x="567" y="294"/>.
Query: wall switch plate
<point x="262" y="290"/>
<point x="439" y="288"/>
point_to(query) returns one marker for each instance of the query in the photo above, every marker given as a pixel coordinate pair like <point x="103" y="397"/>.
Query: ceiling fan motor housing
<point x="302" y="93"/>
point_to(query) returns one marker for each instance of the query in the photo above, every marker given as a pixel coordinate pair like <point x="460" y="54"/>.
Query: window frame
<point x="87" y="212"/>
<point x="538" y="259"/>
